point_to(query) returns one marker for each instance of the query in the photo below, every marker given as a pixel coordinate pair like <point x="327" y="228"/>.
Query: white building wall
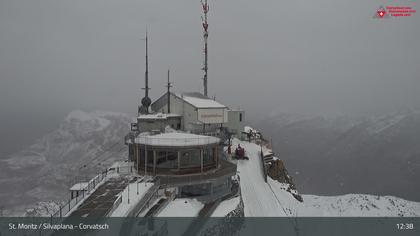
<point x="188" y="112"/>
<point x="193" y="118"/>
<point x="236" y="121"/>
<point x="212" y="115"/>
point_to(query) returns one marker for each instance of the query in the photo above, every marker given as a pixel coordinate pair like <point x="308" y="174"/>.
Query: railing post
<point x="61" y="212"/>
<point x="69" y="205"/>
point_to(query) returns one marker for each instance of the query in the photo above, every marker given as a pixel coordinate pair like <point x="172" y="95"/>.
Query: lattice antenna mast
<point x="169" y="86"/>
<point x="206" y="35"/>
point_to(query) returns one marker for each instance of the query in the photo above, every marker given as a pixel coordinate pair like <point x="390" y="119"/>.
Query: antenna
<point x="206" y="35"/>
<point x="146" y="101"/>
<point x="169" y="86"/>
<point x="146" y="73"/>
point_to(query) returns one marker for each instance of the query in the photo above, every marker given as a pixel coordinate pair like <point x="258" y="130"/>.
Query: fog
<point x="313" y="57"/>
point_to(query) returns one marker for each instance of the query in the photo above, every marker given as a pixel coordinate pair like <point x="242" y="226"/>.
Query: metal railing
<point x="177" y="142"/>
<point x="226" y="169"/>
<point x="150" y="195"/>
<point x="263" y="165"/>
<point x="115" y="205"/>
<point x="83" y="193"/>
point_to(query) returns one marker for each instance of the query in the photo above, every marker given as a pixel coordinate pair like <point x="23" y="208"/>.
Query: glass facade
<point x="176" y="161"/>
<point x="166" y="159"/>
<point x="208" y="156"/>
<point x="190" y="158"/>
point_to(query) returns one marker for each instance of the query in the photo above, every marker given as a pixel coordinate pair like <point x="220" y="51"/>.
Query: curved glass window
<point x="190" y="158"/>
<point x="166" y="159"/>
<point x="208" y="156"/>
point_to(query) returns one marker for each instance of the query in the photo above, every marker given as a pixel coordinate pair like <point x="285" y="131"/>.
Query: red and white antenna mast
<point x="206" y="35"/>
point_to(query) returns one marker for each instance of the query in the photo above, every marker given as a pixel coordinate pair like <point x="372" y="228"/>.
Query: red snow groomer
<point x="240" y="153"/>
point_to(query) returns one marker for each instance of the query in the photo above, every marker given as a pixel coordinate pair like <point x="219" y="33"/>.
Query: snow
<point x="384" y="122"/>
<point x="176" y="139"/>
<point x="79" y="186"/>
<point x="248" y="128"/>
<point x="97" y="117"/>
<point x="182" y="207"/>
<point x="43" y="209"/>
<point x="201" y="102"/>
<point x="157" y="116"/>
<point x="272" y="199"/>
<point x="356" y="205"/>
<point x="131" y="190"/>
<point x="225" y="207"/>
<point x="258" y="198"/>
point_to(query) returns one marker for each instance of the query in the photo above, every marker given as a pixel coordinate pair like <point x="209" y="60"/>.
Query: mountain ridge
<point x="88" y="142"/>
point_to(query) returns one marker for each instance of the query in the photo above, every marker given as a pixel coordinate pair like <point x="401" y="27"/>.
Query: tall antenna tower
<point x="146" y="101"/>
<point x="168" y="86"/>
<point x="146" y="73"/>
<point x="206" y="35"/>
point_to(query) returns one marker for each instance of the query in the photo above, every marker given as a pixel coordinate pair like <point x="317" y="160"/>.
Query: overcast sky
<point x="315" y="57"/>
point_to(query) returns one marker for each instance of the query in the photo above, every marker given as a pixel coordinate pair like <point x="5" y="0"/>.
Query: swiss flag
<point x="381" y="13"/>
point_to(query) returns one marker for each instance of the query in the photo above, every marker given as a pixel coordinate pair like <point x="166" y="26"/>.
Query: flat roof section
<point x="157" y="116"/>
<point x="200" y="101"/>
<point x="79" y="186"/>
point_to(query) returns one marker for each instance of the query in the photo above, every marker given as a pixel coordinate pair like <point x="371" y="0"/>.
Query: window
<point x="190" y="158"/>
<point x="240" y="117"/>
<point x="167" y="159"/>
<point x="208" y="155"/>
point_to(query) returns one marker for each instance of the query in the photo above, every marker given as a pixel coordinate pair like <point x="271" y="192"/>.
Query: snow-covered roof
<point x="157" y="116"/>
<point x="125" y="207"/>
<point x="79" y="186"/>
<point x="176" y="139"/>
<point x="182" y="207"/>
<point x="200" y="101"/>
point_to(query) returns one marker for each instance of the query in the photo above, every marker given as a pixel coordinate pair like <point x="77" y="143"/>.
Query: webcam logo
<point x="381" y="13"/>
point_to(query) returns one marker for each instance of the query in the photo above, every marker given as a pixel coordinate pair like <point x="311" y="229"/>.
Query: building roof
<point x="157" y="116"/>
<point x="195" y="99"/>
<point x="79" y="186"/>
<point x="200" y="101"/>
<point x="176" y="139"/>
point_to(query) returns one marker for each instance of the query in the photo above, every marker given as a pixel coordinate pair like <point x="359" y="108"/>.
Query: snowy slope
<point x="258" y="198"/>
<point x="272" y="199"/>
<point x="87" y="142"/>
<point x="182" y="207"/>
<point x="83" y="144"/>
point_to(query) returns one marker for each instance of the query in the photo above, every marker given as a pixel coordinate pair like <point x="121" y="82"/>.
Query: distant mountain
<point x="339" y="155"/>
<point x="84" y="144"/>
<point x="35" y="181"/>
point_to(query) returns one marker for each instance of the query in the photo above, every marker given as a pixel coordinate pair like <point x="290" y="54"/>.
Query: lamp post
<point x="138" y="164"/>
<point x="145" y="159"/>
